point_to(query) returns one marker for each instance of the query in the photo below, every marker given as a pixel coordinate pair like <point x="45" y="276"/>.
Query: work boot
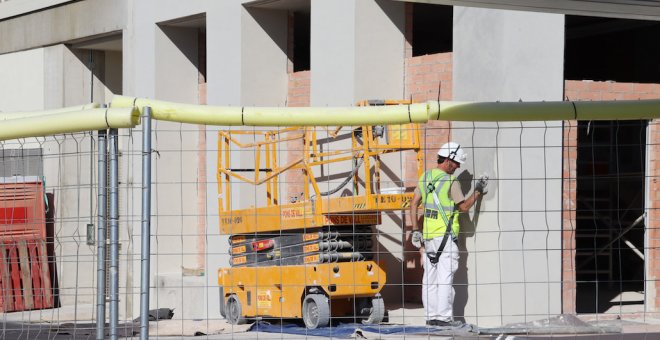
<point x="441" y="323"/>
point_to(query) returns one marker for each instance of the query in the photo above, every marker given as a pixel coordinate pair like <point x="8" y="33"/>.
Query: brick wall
<point x="569" y="173"/>
<point x="653" y="210"/>
<point x="596" y="90"/>
<point x="428" y="77"/>
<point x="298" y="96"/>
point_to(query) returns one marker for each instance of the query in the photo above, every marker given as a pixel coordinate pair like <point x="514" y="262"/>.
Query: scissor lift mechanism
<point x="312" y="258"/>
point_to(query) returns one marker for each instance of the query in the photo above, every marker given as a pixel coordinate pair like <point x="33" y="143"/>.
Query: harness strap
<point x="436" y="257"/>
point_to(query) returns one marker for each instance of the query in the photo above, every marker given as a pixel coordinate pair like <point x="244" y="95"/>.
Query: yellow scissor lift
<point x="311" y="258"/>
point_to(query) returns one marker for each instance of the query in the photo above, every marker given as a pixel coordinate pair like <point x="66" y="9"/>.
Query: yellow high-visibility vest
<point x="437" y="214"/>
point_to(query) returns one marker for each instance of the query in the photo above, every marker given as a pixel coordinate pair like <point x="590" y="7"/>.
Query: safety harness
<point x="434" y="257"/>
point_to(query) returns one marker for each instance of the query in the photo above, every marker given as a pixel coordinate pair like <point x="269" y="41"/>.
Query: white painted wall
<point x="332" y="53"/>
<point x="513" y="259"/>
<point x="55" y="77"/>
<point x="22" y="81"/>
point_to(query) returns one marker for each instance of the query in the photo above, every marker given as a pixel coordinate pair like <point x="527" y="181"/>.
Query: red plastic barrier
<point x="24" y="272"/>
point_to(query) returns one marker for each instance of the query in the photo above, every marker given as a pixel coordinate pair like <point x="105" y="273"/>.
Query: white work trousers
<point x="437" y="284"/>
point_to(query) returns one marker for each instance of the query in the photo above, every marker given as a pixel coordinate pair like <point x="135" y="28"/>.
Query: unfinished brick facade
<point x="569" y="205"/>
<point x="298" y="96"/>
<point x="596" y="90"/>
<point x="427" y="77"/>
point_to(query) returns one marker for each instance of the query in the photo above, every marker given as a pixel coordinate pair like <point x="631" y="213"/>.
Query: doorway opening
<point x="611" y="163"/>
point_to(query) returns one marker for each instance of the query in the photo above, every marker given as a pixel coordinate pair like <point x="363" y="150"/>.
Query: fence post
<point x="114" y="233"/>
<point x="100" y="259"/>
<point x="146" y="223"/>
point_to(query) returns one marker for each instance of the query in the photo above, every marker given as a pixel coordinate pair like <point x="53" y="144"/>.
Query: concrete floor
<point x="44" y="324"/>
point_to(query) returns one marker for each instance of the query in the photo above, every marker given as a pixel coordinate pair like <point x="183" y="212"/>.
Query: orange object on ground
<point x="24" y="272"/>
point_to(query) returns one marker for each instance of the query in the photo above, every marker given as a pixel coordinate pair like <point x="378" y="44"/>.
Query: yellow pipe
<point x="544" y="111"/>
<point x="184" y="113"/>
<point x="14" y="115"/>
<point x="327" y="116"/>
<point x="503" y="111"/>
<point x="395" y="114"/>
<point x="67" y="122"/>
<point x="618" y="110"/>
<point x="277" y="116"/>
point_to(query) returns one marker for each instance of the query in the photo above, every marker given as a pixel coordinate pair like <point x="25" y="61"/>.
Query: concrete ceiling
<point x="289" y="5"/>
<point x="193" y="21"/>
<point x="105" y="42"/>
<point x="630" y="9"/>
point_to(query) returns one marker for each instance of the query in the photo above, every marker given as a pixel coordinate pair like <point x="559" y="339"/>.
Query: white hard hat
<point x="453" y="151"/>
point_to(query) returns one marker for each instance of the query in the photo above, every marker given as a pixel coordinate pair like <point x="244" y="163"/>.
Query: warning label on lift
<point x="239" y="260"/>
<point x="351" y="219"/>
<point x="264" y="300"/>
<point x="311" y="248"/>
<point x="403" y="201"/>
<point x="312" y="259"/>
<point x="311" y="237"/>
<point x="292" y="213"/>
<point x="237" y="239"/>
<point x="238" y="250"/>
<point x="231" y="220"/>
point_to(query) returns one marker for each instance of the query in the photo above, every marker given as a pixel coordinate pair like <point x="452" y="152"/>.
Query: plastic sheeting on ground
<point x="562" y="324"/>
<point x="354" y="330"/>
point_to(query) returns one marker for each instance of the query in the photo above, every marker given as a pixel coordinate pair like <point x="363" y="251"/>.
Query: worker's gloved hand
<point x="482" y="184"/>
<point x="417" y="239"/>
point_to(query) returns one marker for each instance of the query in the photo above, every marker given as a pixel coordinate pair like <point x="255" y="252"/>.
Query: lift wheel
<point x="316" y="311"/>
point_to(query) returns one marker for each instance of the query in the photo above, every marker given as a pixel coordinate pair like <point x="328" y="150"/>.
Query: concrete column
<point x="53" y="76"/>
<point x="507" y="56"/>
<point x="223" y="74"/>
<point x="139" y="50"/>
<point x="356" y="51"/>
<point x="246" y="53"/>
<point x="264" y="60"/>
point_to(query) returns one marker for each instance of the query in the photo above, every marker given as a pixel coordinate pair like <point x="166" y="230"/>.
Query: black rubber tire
<point x="377" y="312"/>
<point x="234" y="311"/>
<point x="316" y="311"/>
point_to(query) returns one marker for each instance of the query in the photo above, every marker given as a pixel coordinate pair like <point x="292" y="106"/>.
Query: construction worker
<point x="442" y="199"/>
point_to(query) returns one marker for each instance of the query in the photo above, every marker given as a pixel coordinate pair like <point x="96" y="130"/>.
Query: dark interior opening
<point x="301" y="38"/>
<point x="611" y="165"/>
<point x="621" y="50"/>
<point x="432" y="29"/>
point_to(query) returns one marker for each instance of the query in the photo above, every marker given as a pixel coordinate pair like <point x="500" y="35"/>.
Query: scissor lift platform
<point x="312" y="257"/>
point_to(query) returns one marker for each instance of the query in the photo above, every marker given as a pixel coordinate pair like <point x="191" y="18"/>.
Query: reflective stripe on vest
<point x="438" y="210"/>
